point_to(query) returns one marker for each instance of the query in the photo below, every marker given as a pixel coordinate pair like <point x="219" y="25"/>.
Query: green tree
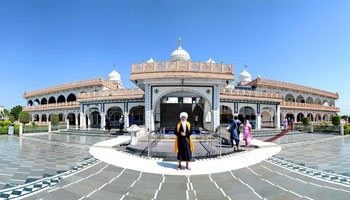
<point x="54" y="119"/>
<point x="11" y="118"/>
<point x="15" y="111"/>
<point x="24" y="117"/>
<point x="306" y="121"/>
<point x="7" y="113"/>
<point x="336" y="120"/>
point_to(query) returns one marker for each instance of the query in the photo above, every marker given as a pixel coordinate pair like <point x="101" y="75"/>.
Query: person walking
<point x="247" y="133"/>
<point x="239" y="123"/>
<point x="183" y="141"/>
<point x="234" y="133"/>
<point x="285" y="123"/>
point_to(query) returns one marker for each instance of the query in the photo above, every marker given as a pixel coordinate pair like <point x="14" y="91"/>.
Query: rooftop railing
<point x="310" y="106"/>
<point x="52" y="106"/>
<point x="250" y="93"/>
<point x="107" y="93"/>
<point x="77" y="84"/>
<point x="182" y="66"/>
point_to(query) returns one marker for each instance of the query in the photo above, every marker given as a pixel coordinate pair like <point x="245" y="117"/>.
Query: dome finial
<point x="179" y="42"/>
<point x="245" y="66"/>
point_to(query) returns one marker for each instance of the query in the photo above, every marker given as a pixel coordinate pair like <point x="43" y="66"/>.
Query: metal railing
<point x="153" y="139"/>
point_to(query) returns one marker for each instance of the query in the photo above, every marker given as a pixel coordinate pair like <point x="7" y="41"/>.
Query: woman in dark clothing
<point x="183" y="141"/>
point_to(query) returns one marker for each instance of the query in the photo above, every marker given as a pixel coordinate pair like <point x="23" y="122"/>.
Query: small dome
<point x="244" y="77"/>
<point x="114" y="76"/>
<point x="150" y="60"/>
<point x="210" y="61"/>
<point x="180" y="54"/>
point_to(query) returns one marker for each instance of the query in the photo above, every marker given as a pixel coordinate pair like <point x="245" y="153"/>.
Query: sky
<point x="47" y="43"/>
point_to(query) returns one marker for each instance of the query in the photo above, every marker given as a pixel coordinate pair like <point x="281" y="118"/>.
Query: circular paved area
<point x="264" y="180"/>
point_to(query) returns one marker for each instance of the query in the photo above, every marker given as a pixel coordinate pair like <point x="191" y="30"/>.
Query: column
<point x="76" y="120"/>
<point x="103" y="117"/>
<point x="148" y="109"/>
<point x="89" y="121"/>
<point x="278" y="117"/>
<point x="216" y="109"/>
<point x="126" y="115"/>
<point x="82" y="116"/>
<point x="258" y="121"/>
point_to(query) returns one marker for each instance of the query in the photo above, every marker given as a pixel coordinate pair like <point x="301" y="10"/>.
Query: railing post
<point x="20" y="129"/>
<point x="49" y="130"/>
<point x="342" y="127"/>
<point x="149" y="144"/>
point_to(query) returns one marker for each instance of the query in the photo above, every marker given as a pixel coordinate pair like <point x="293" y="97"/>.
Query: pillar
<point x="67" y="123"/>
<point x="126" y="119"/>
<point x="76" y="121"/>
<point x="258" y="121"/>
<point x="103" y="121"/>
<point x="278" y="117"/>
<point x="89" y="121"/>
<point x="148" y="109"/>
<point x="20" y="129"/>
<point x="82" y="120"/>
<point x="49" y="130"/>
<point x="216" y="108"/>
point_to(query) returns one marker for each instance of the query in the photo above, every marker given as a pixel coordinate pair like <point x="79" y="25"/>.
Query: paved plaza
<point x="59" y="166"/>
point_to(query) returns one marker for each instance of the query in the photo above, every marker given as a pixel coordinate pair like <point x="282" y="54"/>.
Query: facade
<point x="203" y="89"/>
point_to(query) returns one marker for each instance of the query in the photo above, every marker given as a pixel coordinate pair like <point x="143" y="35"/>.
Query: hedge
<point x="17" y="129"/>
<point x="4" y="130"/>
<point x="336" y="120"/>
<point x="306" y="121"/>
<point x="7" y="123"/>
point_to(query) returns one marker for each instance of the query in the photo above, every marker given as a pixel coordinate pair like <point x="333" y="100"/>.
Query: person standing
<point x="121" y="123"/>
<point x="285" y="123"/>
<point x="183" y="141"/>
<point x="132" y="119"/>
<point x="247" y="133"/>
<point x="234" y="133"/>
<point x="238" y="122"/>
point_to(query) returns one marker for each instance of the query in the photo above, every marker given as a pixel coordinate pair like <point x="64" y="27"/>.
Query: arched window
<point x="30" y="103"/>
<point x="289" y="98"/>
<point x="52" y="100"/>
<point x="71" y="97"/>
<point x="61" y="99"/>
<point x="310" y="100"/>
<point x="43" y="101"/>
<point x="36" y="102"/>
<point x="300" y="99"/>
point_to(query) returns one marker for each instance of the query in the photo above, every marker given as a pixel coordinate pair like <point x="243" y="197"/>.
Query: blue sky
<point x="46" y="43"/>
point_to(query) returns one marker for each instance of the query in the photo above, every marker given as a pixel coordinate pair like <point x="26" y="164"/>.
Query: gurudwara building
<point x="205" y="90"/>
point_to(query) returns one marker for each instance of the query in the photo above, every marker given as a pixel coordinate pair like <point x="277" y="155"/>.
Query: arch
<point x="325" y="118"/>
<point x="52" y="100"/>
<point x="61" y="99"/>
<point x="71" y="118"/>
<point x="60" y="117"/>
<point x="30" y="103"/>
<point x="325" y="102"/>
<point x="268" y="117"/>
<point x="318" y="101"/>
<point x="290" y="115"/>
<point x="332" y="103"/>
<point x="43" y="101"/>
<point x="36" y="117"/>
<point x="289" y="98"/>
<point x="36" y="102"/>
<point x="318" y="117"/>
<point x="300" y="99"/>
<point x="310" y="100"/>
<point x="95" y="119"/>
<point x="225" y="114"/>
<point x="113" y="115"/>
<point x="311" y="117"/>
<point x="43" y="118"/>
<point x="247" y="113"/>
<point x="138" y="115"/>
<point x="71" y="97"/>
<point x="300" y="116"/>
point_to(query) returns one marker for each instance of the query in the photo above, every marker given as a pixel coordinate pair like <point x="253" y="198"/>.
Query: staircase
<point x="272" y="132"/>
<point x="86" y="132"/>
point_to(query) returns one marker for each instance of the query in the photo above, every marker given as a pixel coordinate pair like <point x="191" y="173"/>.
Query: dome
<point x="150" y="60"/>
<point x="114" y="76"/>
<point x="244" y="77"/>
<point x="180" y="54"/>
<point x="210" y="61"/>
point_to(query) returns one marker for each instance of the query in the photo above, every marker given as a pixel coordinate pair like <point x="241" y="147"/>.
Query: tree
<point x="306" y="121"/>
<point x="7" y="113"/>
<point x="24" y="117"/>
<point x="336" y="120"/>
<point x="54" y="119"/>
<point x="12" y="118"/>
<point x="15" y="111"/>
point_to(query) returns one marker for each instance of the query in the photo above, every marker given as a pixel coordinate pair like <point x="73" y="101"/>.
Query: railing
<point x="153" y="139"/>
<point x="83" y="83"/>
<point x="107" y="93"/>
<point x="182" y="66"/>
<point x="309" y="106"/>
<point x="318" y="128"/>
<point x="52" y="106"/>
<point x="250" y="93"/>
<point x="291" y="86"/>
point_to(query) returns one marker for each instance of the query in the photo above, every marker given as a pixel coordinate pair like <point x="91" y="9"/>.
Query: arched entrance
<point x="71" y="97"/>
<point x="36" y="117"/>
<point x="318" y="118"/>
<point x="325" y="117"/>
<point x="43" y="101"/>
<point x="268" y="118"/>
<point x="60" y="117"/>
<point x="113" y="116"/>
<point x="43" y="118"/>
<point x="225" y="114"/>
<point x="138" y="113"/>
<point x="247" y="113"/>
<point x="95" y="119"/>
<point x="71" y="118"/>
<point x="300" y="116"/>
<point x="311" y="117"/>
<point x="290" y="116"/>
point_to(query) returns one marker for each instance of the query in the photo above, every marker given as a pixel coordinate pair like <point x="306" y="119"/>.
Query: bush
<point x="1" y="123"/>
<point x="336" y="120"/>
<point x="34" y="124"/>
<point x="7" y="123"/>
<point x="306" y="121"/>
<point x="4" y="130"/>
<point x="54" y="119"/>
<point x="24" y="117"/>
<point x="17" y="129"/>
